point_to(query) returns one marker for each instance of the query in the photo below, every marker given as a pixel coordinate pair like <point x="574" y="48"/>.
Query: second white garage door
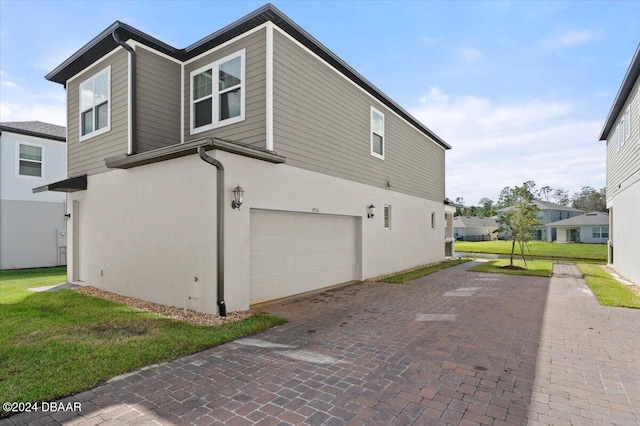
<point x="292" y="253"/>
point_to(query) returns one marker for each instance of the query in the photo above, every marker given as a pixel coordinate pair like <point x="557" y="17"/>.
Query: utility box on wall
<point x="62" y="246"/>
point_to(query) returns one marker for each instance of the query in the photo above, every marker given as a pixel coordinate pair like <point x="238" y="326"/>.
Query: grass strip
<point x="540" y="249"/>
<point x="536" y="268"/>
<point x="607" y="290"/>
<point x="427" y="270"/>
<point x="55" y="344"/>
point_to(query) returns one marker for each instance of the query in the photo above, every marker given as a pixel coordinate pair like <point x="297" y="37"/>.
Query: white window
<point x="30" y="159"/>
<point x="222" y="103"/>
<point x="619" y="139"/>
<point x="377" y="133"/>
<point x="387" y="216"/>
<point x="433" y="220"/>
<point x="95" y="105"/>
<point x="627" y="124"/>
<point x="600" y="232"/>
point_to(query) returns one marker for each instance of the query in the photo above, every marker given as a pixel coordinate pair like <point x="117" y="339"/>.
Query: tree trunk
<point x="513" y="248"/>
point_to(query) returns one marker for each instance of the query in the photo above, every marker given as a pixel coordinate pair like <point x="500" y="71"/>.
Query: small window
<point x="377" y="133"/>
<point x="627" y="123"/>
<point x="433" y="220"/>
<point x="95" y="110"/>
<point x="30" y="160"/>
<point x="387" y="217"/>
<point x="600" y="232"/>
<point x="220" y="103"/>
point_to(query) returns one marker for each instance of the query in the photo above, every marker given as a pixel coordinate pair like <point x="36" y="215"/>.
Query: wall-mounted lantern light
<point x="238" y="194"/>
<point x="371" y="211"/>
<point x="67" y="216"/>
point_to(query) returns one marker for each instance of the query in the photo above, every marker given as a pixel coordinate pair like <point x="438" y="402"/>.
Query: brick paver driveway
<point x="452" y="348"/>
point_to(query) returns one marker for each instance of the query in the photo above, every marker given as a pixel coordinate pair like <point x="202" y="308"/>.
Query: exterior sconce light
<point x="371" y="211"/>
<point x="67" y="216"/>
<point x="238" y="193"/>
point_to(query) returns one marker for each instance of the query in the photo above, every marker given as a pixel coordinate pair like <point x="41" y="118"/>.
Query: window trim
<point x="215" y="93"/>
<point x="600" y="231"/>
<point x="627" y="123"/>
<point x="18" y="159"/>
<point x="386" y="216"/>
<point x="371" y="133"/>
<point x="105" y="129"/>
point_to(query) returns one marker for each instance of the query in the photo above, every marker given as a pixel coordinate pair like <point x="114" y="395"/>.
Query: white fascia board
<point x="269" y="86"/>
<point x="306" y="49"/>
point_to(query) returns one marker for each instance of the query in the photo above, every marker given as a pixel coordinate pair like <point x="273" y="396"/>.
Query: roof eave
<point x="633" y="72"/>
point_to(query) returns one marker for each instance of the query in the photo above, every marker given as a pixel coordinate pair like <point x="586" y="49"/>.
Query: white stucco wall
<point x="625" y="232"/>
<point x="151" y="229"/>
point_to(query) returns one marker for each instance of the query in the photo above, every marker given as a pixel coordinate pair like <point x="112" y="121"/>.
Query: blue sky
<point x="520" y="89"/>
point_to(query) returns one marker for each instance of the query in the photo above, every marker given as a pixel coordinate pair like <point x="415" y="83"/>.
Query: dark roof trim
<point x="78" y="183"/>
<point x="180" y="150"/>
<point x="624" y="91"/>
<point x="104" y="43"/>
<point x="31" y="133"/>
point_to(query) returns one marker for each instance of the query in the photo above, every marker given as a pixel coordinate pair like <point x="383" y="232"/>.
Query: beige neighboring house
<point x="252" y="165"/>
<point x="32" y="226"/>
<point x="472" y="228"/>
<point x="621" y="132"/>
<point x="590" y="227"/>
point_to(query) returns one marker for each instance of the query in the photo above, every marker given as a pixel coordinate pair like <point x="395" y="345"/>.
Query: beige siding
<point x="322" y="123"/>
<point x="88" y="156"/>
<point x="252" y="130"/>
<point x="624" y="162"/>
<point x="158" y="91"/>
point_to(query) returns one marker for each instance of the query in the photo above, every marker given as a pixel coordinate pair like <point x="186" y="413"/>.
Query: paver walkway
<point x="451" y="348"/>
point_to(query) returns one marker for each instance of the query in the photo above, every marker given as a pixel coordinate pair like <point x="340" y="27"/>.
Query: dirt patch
<point x="513" y="267"/>
<point x="192" y="317"/>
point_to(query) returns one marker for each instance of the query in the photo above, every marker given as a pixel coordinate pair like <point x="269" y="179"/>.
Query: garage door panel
<point x="293" y="253"/>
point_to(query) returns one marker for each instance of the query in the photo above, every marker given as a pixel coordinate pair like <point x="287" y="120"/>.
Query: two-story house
<point x="621" y="132"/>
<point x="548" y="213"/>
<point x="32" y="226"/>
<point x="252" y="165"/>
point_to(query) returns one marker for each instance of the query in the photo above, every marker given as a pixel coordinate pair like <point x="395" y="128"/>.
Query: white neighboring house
<point x="622" y="134"/>
<point x="590" y="227"/>
<point x="32" y="226"/>
<point x="472" y="228"/>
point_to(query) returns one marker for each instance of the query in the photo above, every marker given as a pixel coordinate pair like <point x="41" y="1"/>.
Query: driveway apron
<point x="454" y="347"/>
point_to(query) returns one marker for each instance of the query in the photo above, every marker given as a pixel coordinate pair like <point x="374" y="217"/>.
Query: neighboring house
<point x="340" y="183"/>
<point x="472" y="228"/>
<point x="586" y="228"/>
<point x="547" y="214"/>
<point x="32" y="226"/>
<point x="622" y="133"/>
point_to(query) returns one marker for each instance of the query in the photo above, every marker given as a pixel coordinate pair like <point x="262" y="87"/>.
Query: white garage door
<point x="292" y="253"/>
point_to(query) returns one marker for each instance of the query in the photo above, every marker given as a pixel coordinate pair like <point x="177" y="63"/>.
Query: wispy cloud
<point x="469" y="53"/>
<point x="499" y="143"/>
<point x="567" y="38"/>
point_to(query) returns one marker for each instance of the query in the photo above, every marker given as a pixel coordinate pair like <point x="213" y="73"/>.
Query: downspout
<point x="134" y="116"/>
<point x="219" y="227"/>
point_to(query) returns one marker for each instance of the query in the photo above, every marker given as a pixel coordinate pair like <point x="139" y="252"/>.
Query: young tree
<point x="520" y="219"/>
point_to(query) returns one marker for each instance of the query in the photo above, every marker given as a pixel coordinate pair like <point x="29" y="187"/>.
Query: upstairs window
<point x="95" y="99"/>
<point x="30" y="160"/>
<point x="215" y="104"/>
<point x="627" y="123"/>
<point x="377" y="133"/>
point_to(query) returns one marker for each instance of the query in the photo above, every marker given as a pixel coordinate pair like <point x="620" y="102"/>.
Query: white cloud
<point x="470" y="54"/>
<point x="565" y="38"/>
<point x="505" y="143"/>
<point x="48" y="113"/>
<point x="435" y="95"/>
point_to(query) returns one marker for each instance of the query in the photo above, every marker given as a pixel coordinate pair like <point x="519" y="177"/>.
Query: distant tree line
<point x="587" y="199"/>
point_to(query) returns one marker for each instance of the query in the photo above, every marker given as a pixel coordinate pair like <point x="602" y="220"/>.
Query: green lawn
<point x="538" y="268"/>
<point x="607" y="290"/>
<point x="597" y="252"/>
<point x="59" y="343"/>
<point x="417" y="273"/>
